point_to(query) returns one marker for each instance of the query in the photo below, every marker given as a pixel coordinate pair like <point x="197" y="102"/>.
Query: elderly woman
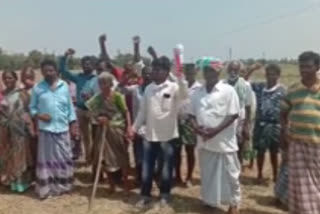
<point x="16" y="131"/>
<point x="109" y="109"/>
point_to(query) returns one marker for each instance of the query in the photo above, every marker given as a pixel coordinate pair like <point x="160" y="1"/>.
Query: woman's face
<point x="105" y="85"/>
<point x="28" y="79"/>
<point x="9" y="80"/>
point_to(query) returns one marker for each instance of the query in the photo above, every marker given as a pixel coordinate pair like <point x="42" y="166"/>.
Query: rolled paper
<point x="178" y="58"/>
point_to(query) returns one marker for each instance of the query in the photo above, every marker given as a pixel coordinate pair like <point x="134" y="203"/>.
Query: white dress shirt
<point x="159" y="109"/>
<point x="210" y="110"/>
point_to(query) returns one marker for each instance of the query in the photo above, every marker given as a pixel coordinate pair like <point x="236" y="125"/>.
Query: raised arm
<point x="251" y="70"/>
<point x="136" y="49"/>
<point x="103" y="49"/>
<point x="63" y="66"/>
<point x="152" y="52"/>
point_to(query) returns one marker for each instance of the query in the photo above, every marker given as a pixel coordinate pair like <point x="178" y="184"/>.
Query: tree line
<point x="16" y="61"/>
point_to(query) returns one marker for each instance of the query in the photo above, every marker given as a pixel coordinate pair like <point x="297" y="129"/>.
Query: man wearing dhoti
<point x="216" y="108"/>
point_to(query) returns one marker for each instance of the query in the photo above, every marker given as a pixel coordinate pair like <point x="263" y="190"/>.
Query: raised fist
<point x="103" y="38"/>
<point x="70" y="52"/>
<point x="136" y="39"/>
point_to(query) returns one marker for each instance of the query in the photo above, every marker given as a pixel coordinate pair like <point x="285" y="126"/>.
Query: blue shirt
<point x="86" y="83"/>
<point x="57" y="103"/>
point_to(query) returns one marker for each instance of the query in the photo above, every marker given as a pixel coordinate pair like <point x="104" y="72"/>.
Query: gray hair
<point x="106" y="77"/>
<point x="237" y="62"/>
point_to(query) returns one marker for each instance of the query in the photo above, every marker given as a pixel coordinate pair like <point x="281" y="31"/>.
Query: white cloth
<point x="249" y="101"/>
<point x="220" y="174"/>
<point x="210" y="110"/>
<point x="159" y="109"/>
<point x="186" y="108"/>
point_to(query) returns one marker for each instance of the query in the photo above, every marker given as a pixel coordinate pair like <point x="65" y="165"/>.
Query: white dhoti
<point x="220" y="174"/>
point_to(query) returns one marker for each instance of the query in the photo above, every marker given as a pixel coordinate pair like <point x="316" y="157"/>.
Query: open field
<point x="256" y="199"/>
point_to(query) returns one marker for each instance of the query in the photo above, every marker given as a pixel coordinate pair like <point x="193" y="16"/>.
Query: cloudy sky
<point x="252" y="28"/>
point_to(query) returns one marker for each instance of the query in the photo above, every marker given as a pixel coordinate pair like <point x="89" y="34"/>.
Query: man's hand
<point x="70" y="52"/>
<point x="102" y="120"/>
<point x="73" y="130"/>
<point x="211" y="133"/>
<point x="103" y="38"/>
<point x="136" y="40"/>
<point x="44" y="117"/>
<point x="151" y="51"/>
<point x="255" y="67"/>
<point x="129" y="133"/>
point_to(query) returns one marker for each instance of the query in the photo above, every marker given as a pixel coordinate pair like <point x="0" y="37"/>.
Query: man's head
<point x="233" y="70"/>
<point x="309" y="65"/>
<point x="101" y="66"/>
<point x="160" y="69"/>
<point x="87" y="64"/>
<point x="211" y="75"/>
<point x="49" y="70"/>
<point x="146" y="74"/>
<point x="273" y="72"/>
<point x="190" y="72"/>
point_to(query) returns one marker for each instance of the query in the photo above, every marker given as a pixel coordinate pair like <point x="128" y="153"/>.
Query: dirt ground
<point x="256" y="199"/>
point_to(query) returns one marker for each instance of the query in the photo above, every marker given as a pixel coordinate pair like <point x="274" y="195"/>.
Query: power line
<point x="269" y="20"/>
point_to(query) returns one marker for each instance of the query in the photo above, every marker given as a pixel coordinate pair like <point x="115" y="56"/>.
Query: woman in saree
<point x="16" y="133"/>
<point x="109" y="109"/>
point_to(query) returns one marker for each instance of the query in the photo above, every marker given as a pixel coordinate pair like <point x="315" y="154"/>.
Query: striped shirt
<point x="303" y="107"/>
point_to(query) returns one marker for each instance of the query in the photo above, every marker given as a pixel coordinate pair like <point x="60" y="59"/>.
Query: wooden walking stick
<point x="97" y="177"/>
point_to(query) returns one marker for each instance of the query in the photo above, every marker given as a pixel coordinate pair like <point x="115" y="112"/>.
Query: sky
<point x="251" y="28"/>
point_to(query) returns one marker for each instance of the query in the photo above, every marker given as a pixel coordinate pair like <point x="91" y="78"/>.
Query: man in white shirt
<point x="216" y="109"/>
<point x="159" y="109"/>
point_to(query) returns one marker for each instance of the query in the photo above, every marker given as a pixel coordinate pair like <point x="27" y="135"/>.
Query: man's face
<point x="210" y="75"/>
<point x="87" y="66"/>
<point x="49" y="73"/>
<point x="146" y="75"/>
<point x="272" y="77"/>
<point x="101" y="67"/>
<point x="190" y="75"/>
<point x="233" y="71"/>
<point x="158" y="74"/>
<point x="308" y="70"/>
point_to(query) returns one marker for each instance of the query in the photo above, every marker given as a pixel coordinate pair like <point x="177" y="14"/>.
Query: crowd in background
<point x="46" y="126"/>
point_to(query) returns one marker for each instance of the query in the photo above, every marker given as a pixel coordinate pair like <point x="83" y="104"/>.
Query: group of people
<point x="45" y="126"/>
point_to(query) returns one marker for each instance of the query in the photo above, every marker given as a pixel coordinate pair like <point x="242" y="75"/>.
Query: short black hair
<point x="310" y="55"/>
<point x="87" y="58"/>
<point x="99" y="60"/>
<point x="162" y="62"/>
<point x="189" y="66"/>
<point x="274" y="67"/>
<point x="49" y="62"/>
